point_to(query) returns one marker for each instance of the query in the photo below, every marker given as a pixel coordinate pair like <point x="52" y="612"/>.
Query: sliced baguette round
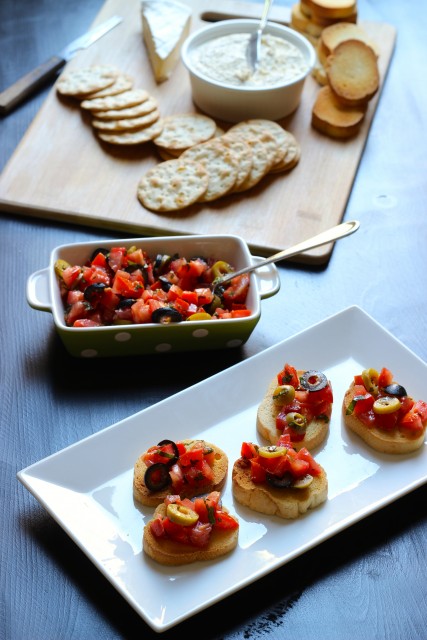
<point x="285" y="503"/>
<point x="266" y="422"/>
<point x="153" y="498"/>
<point x="170" y="552"/>
<point x="336" y="33"/>
<point x="332" y="9"/>
<point x="353" y="75"/>
<point x="334" y="119"/>
<point x="385" y="441"/>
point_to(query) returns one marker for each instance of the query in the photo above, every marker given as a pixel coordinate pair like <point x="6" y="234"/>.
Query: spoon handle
<point x="334" y="233"/>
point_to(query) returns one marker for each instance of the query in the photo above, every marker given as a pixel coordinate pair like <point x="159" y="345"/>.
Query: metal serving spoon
<point x="334" y="233"/>
<point x="254" y="45"/>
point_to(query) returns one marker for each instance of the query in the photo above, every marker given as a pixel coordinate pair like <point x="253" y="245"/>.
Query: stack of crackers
<point x="121" y="115"/>
<point x="204" y="164"/>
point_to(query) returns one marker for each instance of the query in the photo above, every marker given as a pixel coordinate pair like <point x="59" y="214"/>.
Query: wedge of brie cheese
<point x="165" y="25"/>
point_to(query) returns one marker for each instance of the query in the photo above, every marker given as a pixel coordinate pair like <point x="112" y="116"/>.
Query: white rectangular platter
<point x="96" y="508"/>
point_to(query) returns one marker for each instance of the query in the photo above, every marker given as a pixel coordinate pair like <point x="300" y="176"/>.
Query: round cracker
<point x="255" y="126"/>
<point x="172" y="185"/>
<point x="220" y="163"/>
<point x="145" y="107"/>
<point x="264" y="153"/>
<point x="86" y="80"/>
<point x="184" y="130"/>
<point x="138" y="136"/>
<point x="119" y="101"/>
<point x="243" y="153"/>
<point x="128" y="123"/>
<point x="292" y="156"/>
<point x="122" y="83"/>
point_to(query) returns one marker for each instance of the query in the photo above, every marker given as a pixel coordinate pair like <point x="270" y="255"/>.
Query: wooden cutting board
<point x="61" y="171"/>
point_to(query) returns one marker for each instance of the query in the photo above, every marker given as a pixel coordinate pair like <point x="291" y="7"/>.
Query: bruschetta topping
<point x="186" y="462"/>
<point x="280" y="466"/>
<point x="310" y="399"/>
<point x="380" y="402"/>
<point x="192" y="521"/>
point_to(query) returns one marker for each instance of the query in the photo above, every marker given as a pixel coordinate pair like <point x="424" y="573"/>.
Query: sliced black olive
<point x="105" y="252"/>
<point x="162" y="443"/>
<point x="125" y="303"/>
<point x="313" y="380"/>
<point x="165" y="283"/>
<point x="280" y="483"/>
<point x="93" y="292"/>
<point x="157" y="477"/>
<point x="161" y="263"/>
<point x="395" y="389"/>
<point x="165" y="315"/>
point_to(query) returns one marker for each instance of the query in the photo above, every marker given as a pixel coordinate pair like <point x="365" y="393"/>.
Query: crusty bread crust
<point x="332" y="9"/>
<point x="385" y="441"/>
<point x="336" y="33"/>
<point x="266" y="422"/>
<point x="285" y="503"/>
<point x="154" y="498"/>
<point x="170" y="552"/>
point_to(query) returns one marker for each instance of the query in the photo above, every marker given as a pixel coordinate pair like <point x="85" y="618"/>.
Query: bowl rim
<point x="272" y="27"/>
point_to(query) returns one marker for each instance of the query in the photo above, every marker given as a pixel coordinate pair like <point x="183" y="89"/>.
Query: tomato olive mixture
<point x="125" y="286"/>
<point x="380" y="402"/>
<point x="279" y="465"/>
<point x="187" y="463"/>
<point x="300" y="400"/>
<point x="192" y="521"/>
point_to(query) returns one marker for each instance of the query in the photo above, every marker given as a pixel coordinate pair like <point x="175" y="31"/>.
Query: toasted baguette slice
<point x="353" y="74"/>
<point x="332" y="9"/>
<point x="380" y="440"/>
<point x="332" y="118"/>
<point x="170" y="552"/>
<point x="333" y="35"/>
<point x="266" y="423"/>
<point x="285" y="503"/>
<point x="154" y="498"/>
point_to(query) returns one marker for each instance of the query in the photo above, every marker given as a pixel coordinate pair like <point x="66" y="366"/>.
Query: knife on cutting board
<point x="25" y="86"/>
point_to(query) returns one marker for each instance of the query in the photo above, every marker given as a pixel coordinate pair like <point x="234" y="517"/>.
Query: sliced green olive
<point x="395" y="389"/>
<point x="386" y="404"/>
<point x="297" y="421"/>
<point x="282" y="482"/>
<point x="200" y="315"/>
<point x="370" y="380"/>
<point x="272" y="451"/>
<point x="157" y="477"/>
<point x="181" y="515"/>
<point x="313" y="380"/>
<point x="166" y="315"/>
<point x="220" y="268"/>
<point x="60" y="266"/>
<point x="302" y="483"/>
<point x="284" y="394"/>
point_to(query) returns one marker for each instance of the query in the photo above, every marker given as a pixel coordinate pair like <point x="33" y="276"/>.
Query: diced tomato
<point x="137" y="257"/>
<point x="288" y="375"/>
<point x="174" y="292"/>
<point x="223" y="520"/>
<point x="71" y="276"/>
<point x="363" y="403"/>
<point x="298" y="467"/>
<point x="240" y="313"/>
<point x="204" y="296"/>
<point x="257" y="471"/>
<point x="156" y="526"/>
<point x="141" y="312"/>
<point x="100" y="260"/>
<point x="385" y="378"/>
<point x="126" y="286"/>
<point x="117" y="258"/>
<point x="416" y="418"/>
<point x="77" y="311"/>
<point x="324" y="395"/>
<point x="200" y="507"/>
<point x="85" y="322"/>
<point x="190" y="297"/>
<point x="191" y="456"/>
<point x="386" y="421"/>
<point x="315" y="468"/>
<point x="199" y="534"/>
<point x="248" y="450"/>
<point x="237" y="291"/>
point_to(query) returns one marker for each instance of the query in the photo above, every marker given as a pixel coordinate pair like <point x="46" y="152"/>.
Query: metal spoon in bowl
<point x="334" y="233"/>
<point x="253" y="51"/>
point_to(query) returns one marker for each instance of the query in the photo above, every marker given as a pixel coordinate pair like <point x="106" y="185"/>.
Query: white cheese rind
<point x="165" y="25"/>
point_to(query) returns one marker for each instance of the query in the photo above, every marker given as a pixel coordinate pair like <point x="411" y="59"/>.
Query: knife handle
<point x="27" y="85"/>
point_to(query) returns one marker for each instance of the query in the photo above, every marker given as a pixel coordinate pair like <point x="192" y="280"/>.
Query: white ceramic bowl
<point x="233" y="103"/>
<point x="43" y="294"/>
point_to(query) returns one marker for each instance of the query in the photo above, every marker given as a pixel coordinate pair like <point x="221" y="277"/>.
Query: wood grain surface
<point x="61" y="171"/>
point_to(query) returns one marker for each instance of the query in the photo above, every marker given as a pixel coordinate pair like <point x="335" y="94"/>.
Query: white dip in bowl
<point x="221" y="80"/>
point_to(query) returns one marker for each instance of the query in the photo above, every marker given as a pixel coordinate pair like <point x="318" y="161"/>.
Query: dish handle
<point x="38" y="290"/>
<point x="268" y="279"/>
